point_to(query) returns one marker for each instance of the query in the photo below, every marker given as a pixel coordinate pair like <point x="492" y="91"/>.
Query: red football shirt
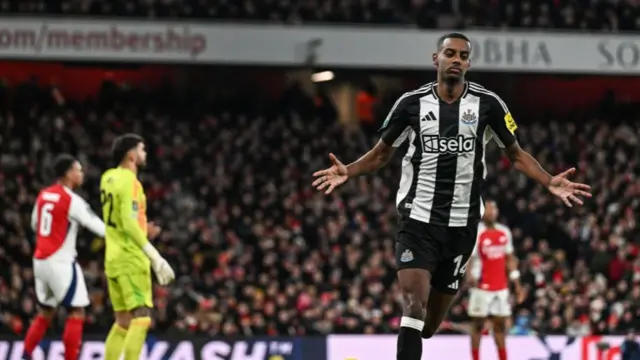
<point x="492" y="247"/>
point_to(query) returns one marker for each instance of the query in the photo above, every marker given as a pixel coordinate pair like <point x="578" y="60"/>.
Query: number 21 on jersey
<point x="107" y="207"/>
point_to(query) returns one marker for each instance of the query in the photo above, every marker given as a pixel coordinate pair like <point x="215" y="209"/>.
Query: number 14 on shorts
<point x="459" y="270"/>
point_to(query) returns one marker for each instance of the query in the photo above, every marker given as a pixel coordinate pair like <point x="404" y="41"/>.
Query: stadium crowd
<point x="258" y="251"/>
<point x="601" y="15"/>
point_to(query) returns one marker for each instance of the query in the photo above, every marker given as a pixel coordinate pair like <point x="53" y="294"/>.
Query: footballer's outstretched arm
<point x="558" y="185"/>
<point x="504" y="126"/>
<point x="395" y="130"/>
<point x="527" y="164"/>
<point x="373" y="160"/>
<point x="80" y="211"/>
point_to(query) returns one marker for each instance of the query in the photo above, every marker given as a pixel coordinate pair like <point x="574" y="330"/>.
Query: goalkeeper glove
<point x="164" y="272"/>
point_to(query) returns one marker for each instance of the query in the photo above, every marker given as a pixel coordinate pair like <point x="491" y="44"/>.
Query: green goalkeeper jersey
<point x="124" y="208"/>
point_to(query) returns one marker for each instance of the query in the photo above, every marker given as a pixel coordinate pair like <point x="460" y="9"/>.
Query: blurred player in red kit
<point x="493" y="264"/>
<point x="55" y="219"/>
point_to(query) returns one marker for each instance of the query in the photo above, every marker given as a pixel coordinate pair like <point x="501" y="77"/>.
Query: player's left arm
<point x="512" y="259"/>
<point x="504" y="128"/>
<point x="81" y="212"/>
<point x="512" y="266"/>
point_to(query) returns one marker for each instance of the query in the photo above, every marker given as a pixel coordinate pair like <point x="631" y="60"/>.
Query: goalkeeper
<point x="129" y="254"/>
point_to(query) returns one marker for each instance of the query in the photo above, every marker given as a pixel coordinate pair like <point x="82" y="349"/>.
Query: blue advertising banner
<point x="194" y="348"/>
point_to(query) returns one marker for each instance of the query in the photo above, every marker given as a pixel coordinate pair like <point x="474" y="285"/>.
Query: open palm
<point x="568" y="191"/>
<point x="332" y="177"/>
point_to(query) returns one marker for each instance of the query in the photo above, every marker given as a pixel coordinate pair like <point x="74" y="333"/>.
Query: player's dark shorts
<point x="443" y="251"/>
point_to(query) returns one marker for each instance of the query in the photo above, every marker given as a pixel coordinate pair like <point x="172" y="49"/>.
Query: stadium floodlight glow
<point x="322" y="76"/>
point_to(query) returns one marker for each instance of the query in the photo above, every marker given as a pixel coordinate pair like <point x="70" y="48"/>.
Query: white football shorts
<point x="485" y="303"/>
<point x="60" y="283"/>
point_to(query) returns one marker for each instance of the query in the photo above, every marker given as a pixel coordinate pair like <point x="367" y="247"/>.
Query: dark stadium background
<point x="266" y="263"/>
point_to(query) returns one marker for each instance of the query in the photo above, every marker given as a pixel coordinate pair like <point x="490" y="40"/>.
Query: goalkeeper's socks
<point x="38" y="328"/>
<point x="114" y="343"/>
<point x="72" y="337"/>
<point x="136" y="336"/>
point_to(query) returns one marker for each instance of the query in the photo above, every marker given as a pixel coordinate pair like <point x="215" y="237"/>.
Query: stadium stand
<point x="548" y="14"/>
<point x="256" y="250"/>
<point x="259" y="252"/>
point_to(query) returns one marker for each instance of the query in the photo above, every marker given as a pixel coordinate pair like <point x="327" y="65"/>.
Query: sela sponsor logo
<point x="162" y="350"/>
<point x="453" y="145"/>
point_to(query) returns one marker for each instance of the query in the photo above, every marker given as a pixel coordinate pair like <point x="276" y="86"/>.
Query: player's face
<point x="452" y="60"/>
<point x="491" y="211"/>
<point x="141" y="155"/>
<point x="76" y="174"/>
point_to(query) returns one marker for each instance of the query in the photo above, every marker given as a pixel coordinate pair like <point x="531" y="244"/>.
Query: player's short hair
<point x="62" y="164"/>
<point x="453" y="35"/>
<point x="123" y="144"/>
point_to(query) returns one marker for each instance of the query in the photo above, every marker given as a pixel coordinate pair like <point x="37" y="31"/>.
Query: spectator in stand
<point x="522" y="324"/>
<point x="256" y="251"/>
<point x="366" y="102"/>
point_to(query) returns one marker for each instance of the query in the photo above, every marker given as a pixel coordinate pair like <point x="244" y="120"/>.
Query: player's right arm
<point x="394" y="131"/>
<point x="132" y="226"/>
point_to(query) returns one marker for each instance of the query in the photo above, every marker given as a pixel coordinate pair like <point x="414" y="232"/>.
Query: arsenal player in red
<point x="493" y="265"/>
<point x="56" y="217"/>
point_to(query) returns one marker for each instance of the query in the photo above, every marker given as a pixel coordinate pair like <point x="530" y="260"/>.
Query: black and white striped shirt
<point x="443" y="170"/>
